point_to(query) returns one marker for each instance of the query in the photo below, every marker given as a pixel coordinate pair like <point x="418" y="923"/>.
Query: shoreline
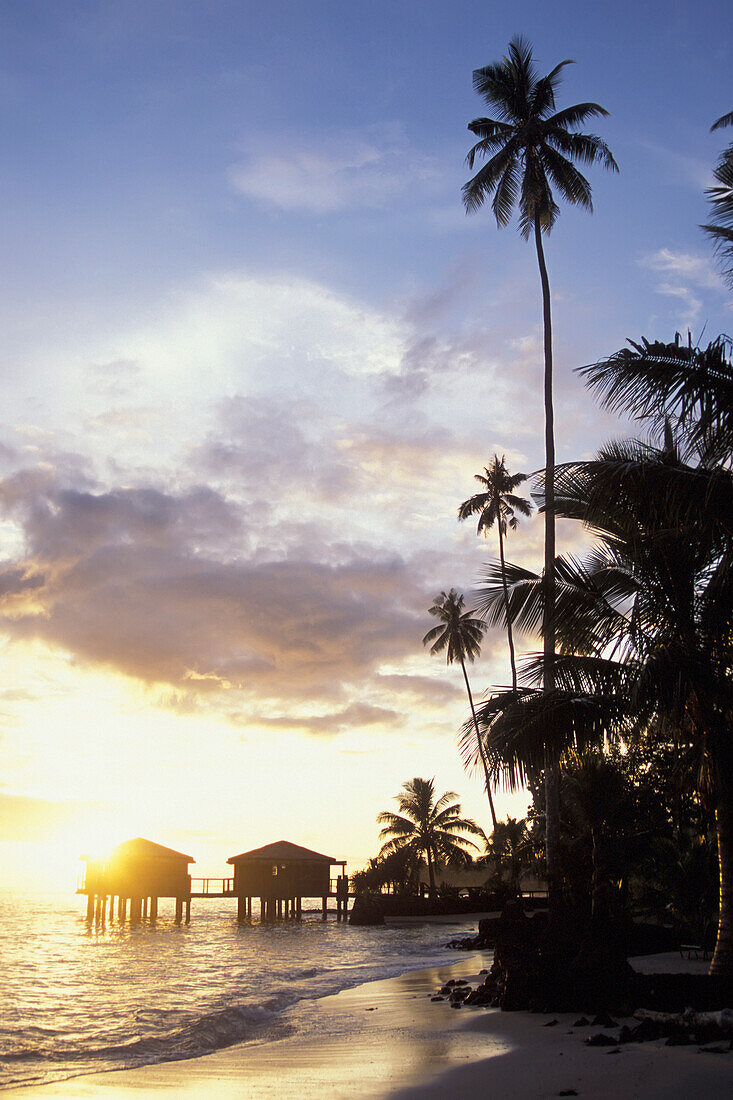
<point x="386" y="1039"/>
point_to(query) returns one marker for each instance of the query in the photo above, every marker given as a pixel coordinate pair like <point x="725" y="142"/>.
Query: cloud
<point x="684" y="265"/>
<point x="146" y="583"/>
<point x="322" y="175"/>
<point x="277" y="447"/>
<point x="354" y="716"/>
<point x="684" y="275"/>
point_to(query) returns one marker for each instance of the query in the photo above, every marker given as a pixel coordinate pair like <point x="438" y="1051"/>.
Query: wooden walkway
<point x="224" y="888"/>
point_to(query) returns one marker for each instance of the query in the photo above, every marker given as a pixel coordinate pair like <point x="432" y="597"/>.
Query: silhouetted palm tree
<point x="460" y="634"/>
<point x="648" y="634"/>
<point x="429" y="828"/>
<point x="531" y="148"/>
<point x="497" y="505"/>
<point x="721" y="201"/>
<point x="511" y="848"/>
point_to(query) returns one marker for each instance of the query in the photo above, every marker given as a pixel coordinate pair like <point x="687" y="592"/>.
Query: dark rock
<point x="582" y="1021"/>
<point x="601" y="1040"/>
<point x="603" y="1020"/>
<point x="645" y="1032"/>
<point x="437" y="998"/>
<point x="367" y="910"/>
<point x="550" y="1023"/>
<point x="567" y="1092"/>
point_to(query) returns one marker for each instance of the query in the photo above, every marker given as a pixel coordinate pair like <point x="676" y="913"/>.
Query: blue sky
<point x="254" y="352"/>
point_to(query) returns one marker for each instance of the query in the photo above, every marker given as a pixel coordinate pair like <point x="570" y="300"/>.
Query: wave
<point x="210" y="1032"/>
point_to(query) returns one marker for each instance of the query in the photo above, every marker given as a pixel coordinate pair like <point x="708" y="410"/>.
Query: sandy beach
<point x="387" y="1039"/>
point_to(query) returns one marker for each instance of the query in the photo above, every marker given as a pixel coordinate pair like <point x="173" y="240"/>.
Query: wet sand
<point x="387" y="1039"/>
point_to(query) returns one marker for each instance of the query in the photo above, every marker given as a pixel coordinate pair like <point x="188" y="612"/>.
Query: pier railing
<point x="212" y="887"/>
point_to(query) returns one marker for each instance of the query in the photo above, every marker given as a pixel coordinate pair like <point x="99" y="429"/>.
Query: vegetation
<point x="512" y="852"/>
<point x="460" y="634"/>
<point x="644" y="620"/>
<point x="497" y="505"/>
<point x="427" y="828"/>
<point x="530" y="148"/>
<point x="622" y="726"/>
<point x="721" y="202"/>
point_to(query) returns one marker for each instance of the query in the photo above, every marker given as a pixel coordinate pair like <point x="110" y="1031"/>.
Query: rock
<point x="582" y="1021"/>
<point x="601" y="1040"/>
<point x="367" y="910"/>
<point x="603" y="1020"/>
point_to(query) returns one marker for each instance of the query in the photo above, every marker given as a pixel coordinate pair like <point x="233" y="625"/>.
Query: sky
<point x="254" y="352"/>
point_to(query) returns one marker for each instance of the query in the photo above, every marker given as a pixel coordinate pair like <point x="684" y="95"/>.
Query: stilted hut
<point x="138" y="872"/>
<point x="281" y="875"/>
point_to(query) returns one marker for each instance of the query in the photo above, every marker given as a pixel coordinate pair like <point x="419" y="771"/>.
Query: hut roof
<point x="140" y="848"/>
<point x="283" y="849"/>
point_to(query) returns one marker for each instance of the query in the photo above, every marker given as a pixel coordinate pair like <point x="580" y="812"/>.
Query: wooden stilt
<point x="188" y="910"/>
<point x="104" y="908"/>
<point x="123" y="908"/>
<point x="179" y="910"/>
<point x="324" y="908"/>
<point x="153" y="909"/>
<point x="241" y="909"/>
<point x="136" y="908"/>
<point x="145" y="908"/>
<point x="90" y="906"/>
<point x="298" y="908"/>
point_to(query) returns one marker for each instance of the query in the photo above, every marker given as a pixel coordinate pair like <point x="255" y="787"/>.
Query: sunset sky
<point x="254" y="351"/>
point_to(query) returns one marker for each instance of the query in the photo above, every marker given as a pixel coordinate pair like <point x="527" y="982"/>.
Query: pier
<point x="279" y="876"/>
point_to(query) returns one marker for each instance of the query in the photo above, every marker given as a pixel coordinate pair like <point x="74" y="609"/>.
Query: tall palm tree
<point x="460" y="634"/>
<point x="497" y="505"/>
<point x="428" y="827"/>
<point x="654" y="597"/>
<point x="531" y="147"/>
<point x="721" y="201"/>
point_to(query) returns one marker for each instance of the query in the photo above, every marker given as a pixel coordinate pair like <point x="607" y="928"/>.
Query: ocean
<point x="81" y="999"/>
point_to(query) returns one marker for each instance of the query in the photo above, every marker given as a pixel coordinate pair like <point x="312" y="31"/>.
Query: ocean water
<point x="77" y="999"/>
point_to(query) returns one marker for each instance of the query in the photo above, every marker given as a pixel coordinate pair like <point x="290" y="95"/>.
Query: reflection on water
<point x="78" y="997"/>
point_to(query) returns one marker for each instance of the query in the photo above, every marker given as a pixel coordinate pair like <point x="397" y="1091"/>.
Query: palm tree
<point x="531" y="148"/>
<point x="511" y="848"/>
<point x="460" y="634"/>
<point x="497" y="505"/>
<point x="721" y="201"/>
<point x="428" y="828"/>
<point x="648" y="644"/>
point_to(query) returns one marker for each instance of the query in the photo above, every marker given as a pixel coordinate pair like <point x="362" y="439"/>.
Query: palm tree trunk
<point x="722" y="961"/>
<point x="552" y="779"/>
<point x="509" y="635"/>
<point x="431" y="871"/>
<point x="481" y="750"/>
